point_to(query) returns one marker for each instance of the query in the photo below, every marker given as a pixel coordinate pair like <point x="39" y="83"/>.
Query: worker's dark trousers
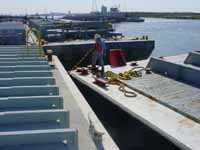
<point x="98" y="57"/>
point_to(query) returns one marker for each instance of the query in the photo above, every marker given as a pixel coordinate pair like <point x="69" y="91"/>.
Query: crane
<point x="94" y="5"/>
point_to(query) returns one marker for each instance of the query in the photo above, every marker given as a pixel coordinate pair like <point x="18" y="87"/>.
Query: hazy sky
<point x="32" y="6"/>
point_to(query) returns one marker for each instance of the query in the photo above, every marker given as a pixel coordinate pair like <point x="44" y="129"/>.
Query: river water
<point x="171" y="36"/>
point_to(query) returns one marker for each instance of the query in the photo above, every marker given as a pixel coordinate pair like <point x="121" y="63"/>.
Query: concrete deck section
<point x="80" y="110"/>
<point x="176" y="126"/>
<point x="41" y="108"/>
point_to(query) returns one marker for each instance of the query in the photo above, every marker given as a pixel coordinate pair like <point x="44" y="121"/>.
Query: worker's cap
<point x="49" y="51"/>
<point x="97" y="36"/>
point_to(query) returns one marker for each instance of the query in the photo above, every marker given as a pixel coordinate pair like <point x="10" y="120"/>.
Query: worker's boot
<point x="94" y="69"/>
<point x="102" y="72"/>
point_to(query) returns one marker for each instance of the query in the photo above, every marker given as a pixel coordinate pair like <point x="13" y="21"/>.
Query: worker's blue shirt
<point x="100" y="48"/>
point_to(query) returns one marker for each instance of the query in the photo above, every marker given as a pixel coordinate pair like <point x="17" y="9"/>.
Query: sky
<point x="79" y="6"/>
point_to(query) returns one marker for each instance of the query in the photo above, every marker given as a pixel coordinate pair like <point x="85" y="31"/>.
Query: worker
<point x="98" y="53"/>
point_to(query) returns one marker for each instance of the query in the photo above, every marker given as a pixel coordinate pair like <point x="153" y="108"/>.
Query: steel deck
<point x="32" y="114"/>
<point x="180" y="97"/>
<point x="167" y="100"/>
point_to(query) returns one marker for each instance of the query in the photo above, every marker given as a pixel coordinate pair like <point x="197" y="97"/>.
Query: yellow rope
<point x="38" y="40"/>
<point x="114" y="79"/>
<point x="83" y="58"/>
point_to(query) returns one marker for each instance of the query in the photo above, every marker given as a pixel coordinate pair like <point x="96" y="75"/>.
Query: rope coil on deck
<point x="38" y="41"/>
<point x="114" y="79"/>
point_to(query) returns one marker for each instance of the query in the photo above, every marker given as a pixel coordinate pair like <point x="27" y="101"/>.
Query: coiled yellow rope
<point x="114" y="79"/>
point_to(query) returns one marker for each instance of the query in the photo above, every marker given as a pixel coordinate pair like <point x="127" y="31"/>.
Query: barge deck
<point x="167" y="100"/>
<point x="40" y="107"/>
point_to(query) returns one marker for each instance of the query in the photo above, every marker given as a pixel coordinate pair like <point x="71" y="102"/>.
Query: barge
<point x="71" y="39"/>
<point x="40" y="106"/>
<point x="12" y="33"/>
<point x="71" y="52"/>
<point x="62" y="30"/>
<point x="166" y="101"/>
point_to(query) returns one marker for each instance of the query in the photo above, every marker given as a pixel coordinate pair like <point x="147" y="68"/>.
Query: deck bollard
<point x="49" y="55"/>
<point x="148" y="71"/>
<point x="134" y="63"/>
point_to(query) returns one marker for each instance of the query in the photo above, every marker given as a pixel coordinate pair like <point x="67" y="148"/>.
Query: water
<point x="171" y="36"/>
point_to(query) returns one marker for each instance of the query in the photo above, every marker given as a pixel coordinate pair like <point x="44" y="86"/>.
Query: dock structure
<point x="167" y="99"/>
<point x="37" y="109"/>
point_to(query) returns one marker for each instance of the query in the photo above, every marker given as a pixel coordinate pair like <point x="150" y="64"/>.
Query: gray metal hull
<point x="70" y="53"/>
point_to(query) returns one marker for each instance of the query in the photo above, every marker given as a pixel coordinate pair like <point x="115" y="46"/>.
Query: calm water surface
<point x="171" y="36"/>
